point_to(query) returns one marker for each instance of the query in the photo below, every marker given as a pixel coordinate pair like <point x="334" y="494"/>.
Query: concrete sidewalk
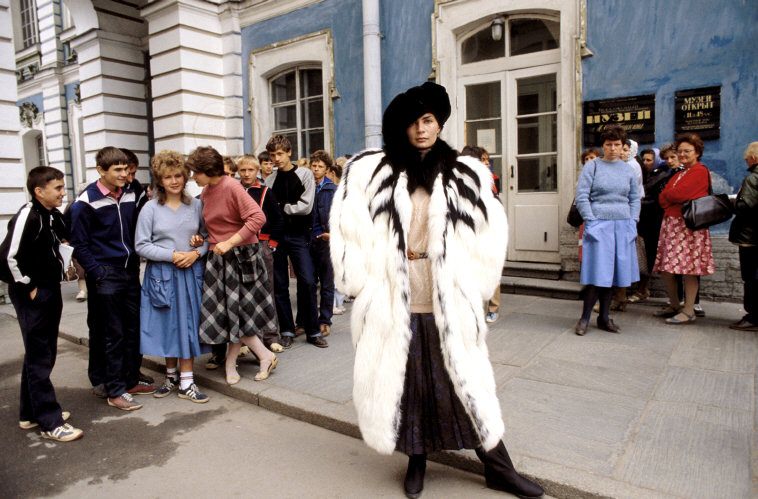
<point x="656" y="411"/>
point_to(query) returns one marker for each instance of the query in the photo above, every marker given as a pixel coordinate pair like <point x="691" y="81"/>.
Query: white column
<point x="113" y="98"/>
<point x="49" y="22"/>
<point x="12" y="171"/>
<point x="196" y="82"/>
<point x="56" y="121"/>
<point x="372" y="74"/>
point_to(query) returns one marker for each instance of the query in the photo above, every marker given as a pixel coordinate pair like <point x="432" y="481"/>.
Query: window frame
<point x="28" y="28"/>
<point x="313" y="50"/>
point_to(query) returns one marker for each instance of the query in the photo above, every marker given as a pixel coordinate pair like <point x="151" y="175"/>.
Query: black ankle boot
<point x="499" y="474"/>
<point x="414" y="477"/>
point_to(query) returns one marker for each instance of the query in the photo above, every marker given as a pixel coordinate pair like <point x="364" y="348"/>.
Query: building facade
<point x="530" y="80"/>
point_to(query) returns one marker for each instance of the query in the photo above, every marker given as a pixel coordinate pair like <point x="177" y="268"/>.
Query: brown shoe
<point x="326" y="329"/>
<point x="609" y="326"/>
<point x="744" y="325"/>
<point x="299" y="331"/>
<point x="318" y="342"/>
<point x="581" y="327"/>
<point x="142" y="388"/>
<point x="125" y="402"/>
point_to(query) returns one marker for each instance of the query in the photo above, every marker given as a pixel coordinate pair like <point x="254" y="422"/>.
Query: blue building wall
<point x="35" y="99"/>
<point x="406" y="55"/>
<point x="345" y="20"/>
<point x="659" y="47"/>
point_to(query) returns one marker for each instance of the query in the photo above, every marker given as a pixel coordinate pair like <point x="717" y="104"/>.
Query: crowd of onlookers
<point x="218" y="252"/>
<point x="634" y="226"/>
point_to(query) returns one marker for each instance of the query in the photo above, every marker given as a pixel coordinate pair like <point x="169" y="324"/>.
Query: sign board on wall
<point x="636" y="114"/>
<point x="698" y="110"/>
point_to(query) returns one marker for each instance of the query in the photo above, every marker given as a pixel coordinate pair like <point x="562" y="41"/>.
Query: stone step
<point x="551" y="288"/>
<point x="533" y="270"/>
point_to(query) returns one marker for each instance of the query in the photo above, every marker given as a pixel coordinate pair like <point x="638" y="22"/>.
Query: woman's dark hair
<point x="474" y="151"/>
<point x="647" y="151"/>
<point x="206" y="160"/>
<point x="691" y="138"/>
<point x="40" y="176"/>
<point x="109" y="156"/>
<point x="613" y="132"/>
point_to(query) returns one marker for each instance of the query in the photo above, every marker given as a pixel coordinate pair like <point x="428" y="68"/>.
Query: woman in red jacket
<point x="682" y="251"/>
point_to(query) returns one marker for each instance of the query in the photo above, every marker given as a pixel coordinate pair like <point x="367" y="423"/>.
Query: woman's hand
<point x="196" y="240"/>
<point x="222" y="247"/>
<point x="324" y="236"/>
<point x="185" y="259"/>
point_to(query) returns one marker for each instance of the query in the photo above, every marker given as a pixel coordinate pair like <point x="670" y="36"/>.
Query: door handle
<point x="545" y="236"/>
<point x="511" y="171"/>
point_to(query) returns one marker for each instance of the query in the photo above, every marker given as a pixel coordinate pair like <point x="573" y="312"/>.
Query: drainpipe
<point x="372" y="74"/>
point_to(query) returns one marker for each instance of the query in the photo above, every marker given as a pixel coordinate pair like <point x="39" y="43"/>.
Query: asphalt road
<point x="175" y="448"/>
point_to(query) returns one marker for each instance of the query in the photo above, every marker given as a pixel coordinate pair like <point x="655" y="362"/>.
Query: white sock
<point x="171" y="373"/>
<point x="185" y="380"/>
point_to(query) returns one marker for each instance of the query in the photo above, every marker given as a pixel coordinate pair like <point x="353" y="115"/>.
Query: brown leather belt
<point x="413" y="255"/>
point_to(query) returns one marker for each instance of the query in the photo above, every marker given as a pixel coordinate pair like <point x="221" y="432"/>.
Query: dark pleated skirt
<point x="432" y="417"/>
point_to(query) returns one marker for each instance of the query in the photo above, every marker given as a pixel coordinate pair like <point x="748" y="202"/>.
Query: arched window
<point x="297" y="109"/>
<point x="513" y="35"/>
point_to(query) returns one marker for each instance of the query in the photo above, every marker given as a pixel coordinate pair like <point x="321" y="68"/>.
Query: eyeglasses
<point x="684" y="151"/>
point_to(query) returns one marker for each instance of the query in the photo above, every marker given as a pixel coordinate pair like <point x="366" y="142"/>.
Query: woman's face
<point x="589" y="157"/>
<point x="672" y="159"/>
<point x="687" y="154"/>
<point x="173" y="181"/>
<point x="612" y="150"/>
<point x="423" y="133"/>
<point x="648" y="161"/>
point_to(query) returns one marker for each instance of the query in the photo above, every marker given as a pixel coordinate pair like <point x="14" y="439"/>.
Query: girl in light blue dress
<point x="173" y="282"/>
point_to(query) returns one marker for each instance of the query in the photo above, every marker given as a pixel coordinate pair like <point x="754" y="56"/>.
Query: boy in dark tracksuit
<point x="33" y="267"/>
<point x="103" y="221"/>
<point x="321" y="162"/>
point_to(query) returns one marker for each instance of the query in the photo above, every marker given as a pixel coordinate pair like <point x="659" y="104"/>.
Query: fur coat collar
<point x="369" y="223"/>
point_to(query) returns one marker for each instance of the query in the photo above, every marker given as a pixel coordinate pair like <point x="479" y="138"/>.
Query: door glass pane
<point x="533" y="35"/>
<point x="283" y="88"/>
<point x="538" y="174"/>
<point x="313" y="113"/>
<point x="483" y="101"/>
<point x="285" y="117"/>
<point x="537" y="134"/>
<point x="481" y="47"/>
<point x="536" y="95"/>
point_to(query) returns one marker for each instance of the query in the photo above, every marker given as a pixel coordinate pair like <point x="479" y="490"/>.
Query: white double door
<point x="514" y="115"/>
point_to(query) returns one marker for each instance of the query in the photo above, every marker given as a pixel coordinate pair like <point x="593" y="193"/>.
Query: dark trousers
<point x="113" y="320"/>
<point x="749" y="272"/>
<point x="295" y="247"/>
<point x="39" y="320"/>
<point x="324" y="272"/>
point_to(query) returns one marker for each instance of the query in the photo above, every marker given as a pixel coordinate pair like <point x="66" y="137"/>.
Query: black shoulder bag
<point x="706" y="211"/>
<point x="574" y="218"/>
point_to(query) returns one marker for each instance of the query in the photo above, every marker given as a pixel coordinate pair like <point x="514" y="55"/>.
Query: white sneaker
<point x="63" y="433"/>
<point x="491" y="317"/>
<point x="81" y="295"/>
<point x="28" y="425"/>
<point x="338" y="311"/>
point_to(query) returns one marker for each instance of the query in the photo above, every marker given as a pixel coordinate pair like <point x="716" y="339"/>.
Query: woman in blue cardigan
<point x="607" y="197"/>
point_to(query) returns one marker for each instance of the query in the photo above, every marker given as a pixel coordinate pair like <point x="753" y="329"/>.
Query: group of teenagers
<point x="415" y="233"/>
<point x="216" y="274"/>
<point x="634" y="227"/>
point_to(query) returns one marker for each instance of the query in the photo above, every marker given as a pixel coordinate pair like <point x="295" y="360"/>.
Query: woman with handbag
<point x="237" y="306"/>
<point x="608" y="199"/>
<point x="681" y="250"/>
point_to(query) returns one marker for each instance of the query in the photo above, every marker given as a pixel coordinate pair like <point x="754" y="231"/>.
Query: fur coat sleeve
<point x="369" y="222"/>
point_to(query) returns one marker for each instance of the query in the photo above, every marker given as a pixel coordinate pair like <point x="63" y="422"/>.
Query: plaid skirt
<point x="682" y="250"/>
<point x="236" y="299"/>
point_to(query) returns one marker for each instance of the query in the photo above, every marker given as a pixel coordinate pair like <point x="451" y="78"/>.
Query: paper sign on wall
<point x="486" y="138"/>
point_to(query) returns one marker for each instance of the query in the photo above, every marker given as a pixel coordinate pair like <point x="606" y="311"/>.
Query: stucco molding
<point x="255" y="11"/>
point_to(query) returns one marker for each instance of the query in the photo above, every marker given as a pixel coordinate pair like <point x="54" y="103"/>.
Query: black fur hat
<point x="409" y="106"/>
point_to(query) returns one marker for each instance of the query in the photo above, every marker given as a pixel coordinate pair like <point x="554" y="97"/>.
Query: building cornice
<point x="255" y="11"/>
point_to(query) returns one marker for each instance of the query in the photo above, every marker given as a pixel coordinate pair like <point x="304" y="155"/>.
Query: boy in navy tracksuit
<point x="103" y="221"/>
<point x="321" y="162"/>
<point x="32" y="266"/>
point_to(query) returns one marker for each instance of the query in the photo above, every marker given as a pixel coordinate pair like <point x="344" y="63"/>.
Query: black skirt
<point x="432" y="417"/>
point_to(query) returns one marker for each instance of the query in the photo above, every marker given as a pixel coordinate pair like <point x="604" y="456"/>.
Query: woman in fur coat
<point x="419" y="239"/>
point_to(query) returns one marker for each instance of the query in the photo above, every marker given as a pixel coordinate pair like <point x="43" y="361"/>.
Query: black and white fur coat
<point x="468" y="235"/>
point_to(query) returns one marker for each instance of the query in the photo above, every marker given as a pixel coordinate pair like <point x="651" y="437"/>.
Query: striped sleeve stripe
<point x="18" y="231"/>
